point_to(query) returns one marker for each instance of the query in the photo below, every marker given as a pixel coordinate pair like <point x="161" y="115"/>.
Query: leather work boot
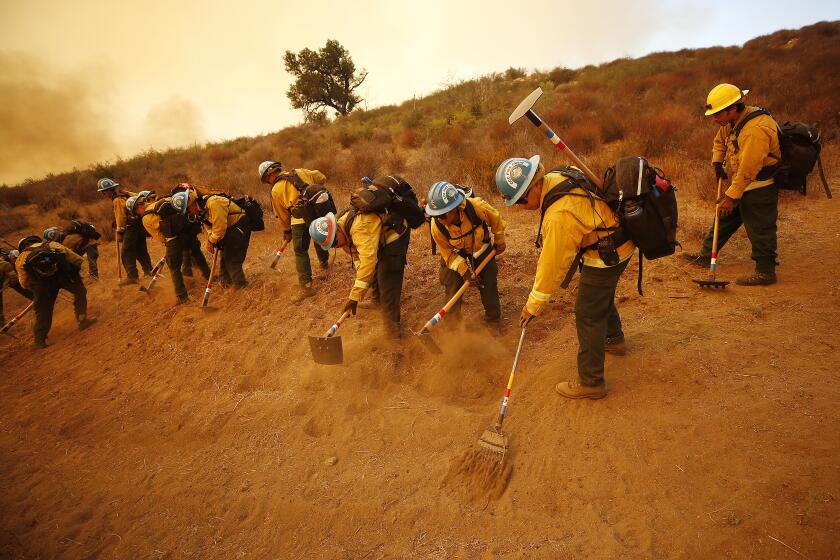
<point x="757" y="279"/>
<point x="128" y="281"/>
<point x="698" y="259"/>
<point x="574" y="390"/>
<point x="306" y="291"/>
<point x="615" y="346"/>
<point x="182" y="300"/>
<point x="39" y="344"/>
<point x="84" y="322"/>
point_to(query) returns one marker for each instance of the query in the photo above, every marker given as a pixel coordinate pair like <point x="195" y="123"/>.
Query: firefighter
<point x="465" y="230"/>
<point x="45" y="267"/>
<point x="571" y="229"/>
<point x="129" y="232"/>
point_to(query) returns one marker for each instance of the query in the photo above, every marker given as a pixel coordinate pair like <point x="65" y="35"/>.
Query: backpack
<point x="390" y="194"/>
<point x="86" y="230"/>
<point x="646" y="206"/>
<point x="253" y="210"/>
<point x="250" y="207"/>
<point x="800" y="145"/>
<point x="44" y="262"/>
<point x="172" y="222"/>
<point x="315" y="202"/>
<point x="643" y="201"/>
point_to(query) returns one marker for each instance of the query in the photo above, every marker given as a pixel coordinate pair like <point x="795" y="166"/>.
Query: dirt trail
<point x="172" y="433"/>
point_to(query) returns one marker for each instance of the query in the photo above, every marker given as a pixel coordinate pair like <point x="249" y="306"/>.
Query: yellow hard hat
<point x="722" y="96"/>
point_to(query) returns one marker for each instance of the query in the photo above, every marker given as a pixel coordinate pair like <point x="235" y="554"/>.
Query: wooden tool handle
<point x="445" y="309"/>
<point x="331" y="331"/>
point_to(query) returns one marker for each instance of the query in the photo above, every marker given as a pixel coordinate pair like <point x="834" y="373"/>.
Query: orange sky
<point x="88" y="80"/>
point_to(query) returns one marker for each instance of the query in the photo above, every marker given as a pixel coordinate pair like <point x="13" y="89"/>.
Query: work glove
<point x="500" y="248"/>
<point x="720" y="172"/>
<point x="211" y="247"/>
<point x="120" y="235"/>
<point x="351" y="306"/>
<point x="469" y="276"/>
<point x="525" y="317"/>
<point x="287" y="236"/>
<point x="727" y="205"/>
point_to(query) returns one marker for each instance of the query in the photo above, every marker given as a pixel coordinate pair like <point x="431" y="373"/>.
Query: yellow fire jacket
<point x="569" y="225"/>
<point x="7" y="273"/>
<point x="23" y="277"/>
<point x="367" y="234"/>
<point x="461" y="238"/>
<point x="120" y="213"/>
<point x="222" y="213"/>
<point x="151" y="221"/>
<point x="758" y="147"/>
<point x="284" y="195"/>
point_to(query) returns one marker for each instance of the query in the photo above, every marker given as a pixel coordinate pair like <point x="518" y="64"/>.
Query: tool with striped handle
<point x="525" y="109"/>
<point x="494" y="439"/>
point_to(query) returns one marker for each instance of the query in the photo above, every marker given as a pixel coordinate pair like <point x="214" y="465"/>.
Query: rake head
<point x="714" y="284"/>
<point x="494" y="441"/>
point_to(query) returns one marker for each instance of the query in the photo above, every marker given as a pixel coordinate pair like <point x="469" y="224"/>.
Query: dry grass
<point x="649" y="106"/>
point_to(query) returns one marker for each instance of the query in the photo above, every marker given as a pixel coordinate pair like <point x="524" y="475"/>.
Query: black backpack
<point x="86" y="230"/>
<point x="645" y="205"/>
<point x="391" y="195"/>
<point x="252" y="209"/>
<point x="44" y="262"/>
<point x="801" y="147"/>
<point x="172" y="222"/>
<point x="315" y="202"/>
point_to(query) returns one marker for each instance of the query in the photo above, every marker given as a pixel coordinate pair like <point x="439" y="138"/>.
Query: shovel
<point x="711" y="282"/>
<point x="206" y="298"/>
<point x="424" y="334"/>
<point x="327" y="349"/>
<point x="278" y="254"/>
<point x="155" y="273"/>
<point x="525" y="110"/>
<point x="15" y="319"/>
<point x="494" y="440"/>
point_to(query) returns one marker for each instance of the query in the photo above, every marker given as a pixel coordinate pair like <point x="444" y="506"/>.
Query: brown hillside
<point x="170" y="432"/>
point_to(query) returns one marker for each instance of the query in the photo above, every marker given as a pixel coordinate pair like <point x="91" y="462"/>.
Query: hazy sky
<point x="85" y="80"/>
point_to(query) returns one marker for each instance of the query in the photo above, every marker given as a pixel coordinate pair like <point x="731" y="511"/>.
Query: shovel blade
<point x="326" y="350"/>
<point x="428" y="341"/>
<point x="494" y="440"/>
<point x="711" y="283"/>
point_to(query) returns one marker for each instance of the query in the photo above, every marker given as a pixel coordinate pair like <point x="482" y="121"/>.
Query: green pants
<point x="92" y="253"/>
<point x="757" y="210"/>
<point x="300" y="243"/>
<point x="234" y="247"/>
<point x="174" y="259"/>
<point x="191" y="249"/>
<point x="134" y="249"/>
<point x="45" y="293"/>
<point x="390" y="271"/>
<point x="488" y="287"/>
<point x="596" y="319"/>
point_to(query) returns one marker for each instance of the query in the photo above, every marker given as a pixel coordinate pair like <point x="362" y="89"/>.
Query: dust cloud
<point x="53" y="121"/>
<point x="48" y="121"/>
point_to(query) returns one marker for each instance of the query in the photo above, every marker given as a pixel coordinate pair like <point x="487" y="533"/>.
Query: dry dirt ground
<point x="171" y="432"/>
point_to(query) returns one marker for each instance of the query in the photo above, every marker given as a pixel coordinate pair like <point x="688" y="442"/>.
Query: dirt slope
<point x="175" y="433"/>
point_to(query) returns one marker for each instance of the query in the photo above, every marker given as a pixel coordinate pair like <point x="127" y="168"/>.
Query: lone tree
<point x="326" y="78"/>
